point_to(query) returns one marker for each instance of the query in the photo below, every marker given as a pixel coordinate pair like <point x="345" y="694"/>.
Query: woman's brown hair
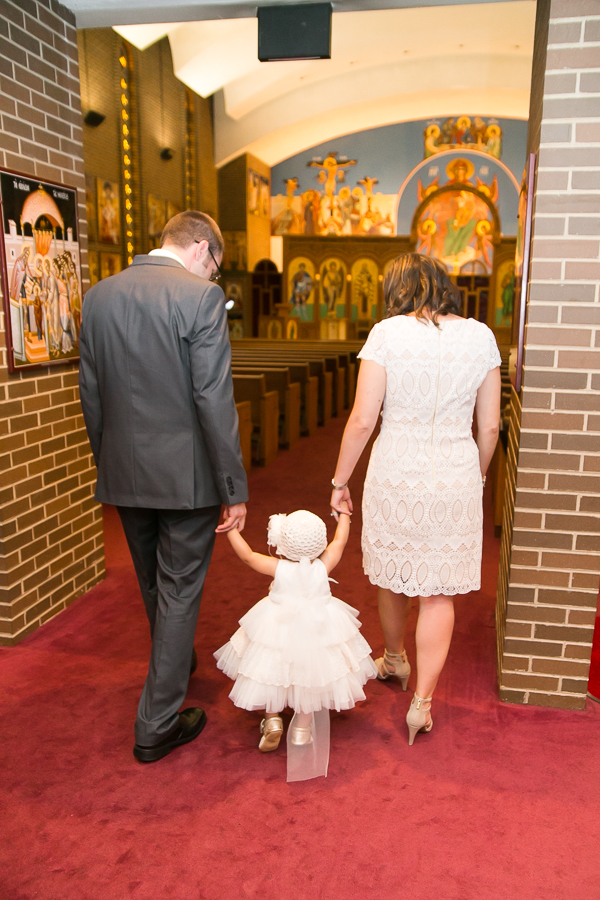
<point x="419" y="284"/>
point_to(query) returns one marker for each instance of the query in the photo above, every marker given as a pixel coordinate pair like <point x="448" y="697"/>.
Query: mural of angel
<point x="425" y="231"/>
<point x="485" y="245"/>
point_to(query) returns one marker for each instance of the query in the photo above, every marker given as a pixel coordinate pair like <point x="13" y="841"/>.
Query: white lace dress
<point x="422" y="510"/>
<point x="299" y="647"/>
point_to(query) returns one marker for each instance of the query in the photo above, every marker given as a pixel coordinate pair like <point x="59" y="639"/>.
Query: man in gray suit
<point x="157" y="397"/>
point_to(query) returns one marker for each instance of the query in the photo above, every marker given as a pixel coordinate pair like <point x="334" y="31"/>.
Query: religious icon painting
<point x="253" y="192"/>
<point x="265" y="197"/>
<point x="41" y="271"/>
<point x="172" y="209"/>
<point x="463" y="132"/>
<point x="236" y="329"/>
<point x="234" y="294"/>
<point x="110" y="264"/>
<point x="234" y="302"/>
<point x="456" y="227"/>
<point x="91" y="209"/>
<point x="365" y="281"/>
<point x="333" y="289"/>
<point x="109" y="214"/>
<point x="156" y="220"/>
<point x="505" y="294"/>
<point x="94" y="267"/>
<point x="235" y="253"/>
<point x="301" y="288"/>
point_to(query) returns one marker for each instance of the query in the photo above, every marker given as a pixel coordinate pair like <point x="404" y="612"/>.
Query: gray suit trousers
<point x="171" y="550"/>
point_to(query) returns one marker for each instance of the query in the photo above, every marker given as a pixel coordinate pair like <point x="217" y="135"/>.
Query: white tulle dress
<point x="299" y="647"/>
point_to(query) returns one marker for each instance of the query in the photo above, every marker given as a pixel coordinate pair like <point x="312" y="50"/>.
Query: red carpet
<point x="499" y="802"/>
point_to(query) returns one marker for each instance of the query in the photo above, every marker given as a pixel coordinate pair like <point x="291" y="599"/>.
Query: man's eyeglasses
<point x="216" y="275"/>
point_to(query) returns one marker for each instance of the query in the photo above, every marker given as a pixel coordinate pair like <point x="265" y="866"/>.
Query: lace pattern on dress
<point x="422" y="500"/>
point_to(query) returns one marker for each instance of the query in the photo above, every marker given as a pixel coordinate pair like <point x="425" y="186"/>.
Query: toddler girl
<point x="299" y="646"/>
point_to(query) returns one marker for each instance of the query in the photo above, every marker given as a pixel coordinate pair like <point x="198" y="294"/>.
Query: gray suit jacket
<point x="156" y="389"/>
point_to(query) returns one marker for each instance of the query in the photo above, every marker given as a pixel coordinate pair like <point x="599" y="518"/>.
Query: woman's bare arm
<point x="370" y="392"/>
<point x="487" y="415"/>
<point x="266" y="565"/>
<point x="333" y="552"/>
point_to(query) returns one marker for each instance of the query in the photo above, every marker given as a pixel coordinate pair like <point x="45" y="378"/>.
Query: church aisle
<point x="479" y="808"/>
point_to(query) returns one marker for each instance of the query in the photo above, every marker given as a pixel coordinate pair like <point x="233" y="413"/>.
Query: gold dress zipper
<point x="437" y="390"/>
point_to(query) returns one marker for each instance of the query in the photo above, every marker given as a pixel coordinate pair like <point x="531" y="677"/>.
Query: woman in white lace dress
<point x="422" y="500"/>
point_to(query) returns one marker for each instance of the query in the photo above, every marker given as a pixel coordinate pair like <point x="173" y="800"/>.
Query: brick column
<point x="551" y="562"/>
<point x="51" y="545"/>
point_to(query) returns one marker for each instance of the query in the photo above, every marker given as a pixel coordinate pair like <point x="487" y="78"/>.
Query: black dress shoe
<point x="194" y="663"/>
<point x="191" y="723"/>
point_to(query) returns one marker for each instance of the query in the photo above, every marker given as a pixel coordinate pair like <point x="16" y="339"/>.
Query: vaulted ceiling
<point x="388" y="65"/>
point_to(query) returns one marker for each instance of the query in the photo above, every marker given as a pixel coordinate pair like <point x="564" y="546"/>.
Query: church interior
<point x="467" y="132"/>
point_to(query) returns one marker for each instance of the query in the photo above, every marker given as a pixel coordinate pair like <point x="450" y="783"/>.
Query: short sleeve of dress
<point x="494" y="358"/>
<point x="374" y="347"/>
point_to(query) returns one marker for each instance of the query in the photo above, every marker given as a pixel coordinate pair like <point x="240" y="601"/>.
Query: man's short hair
<point x="187" y="227"/>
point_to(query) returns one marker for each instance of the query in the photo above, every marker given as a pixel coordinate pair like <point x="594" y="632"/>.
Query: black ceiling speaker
<point x="301" y="31"/>
<point x="93" y="118"/>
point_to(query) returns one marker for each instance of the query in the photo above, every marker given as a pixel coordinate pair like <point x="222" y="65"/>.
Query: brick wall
<point x="51" y="546"/>
<point x="551" y="587"/>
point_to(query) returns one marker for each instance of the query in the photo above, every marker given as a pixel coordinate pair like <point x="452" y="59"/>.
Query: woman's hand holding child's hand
<point x="341" y="502"/>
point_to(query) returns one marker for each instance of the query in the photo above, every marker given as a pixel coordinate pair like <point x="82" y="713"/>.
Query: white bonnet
<point x="298" y="536"/>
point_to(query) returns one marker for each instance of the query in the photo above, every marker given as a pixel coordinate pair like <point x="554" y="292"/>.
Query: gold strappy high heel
<point x="416" y="717"/>
<point x="271" y="730"/>
<point x="400" y="664"/>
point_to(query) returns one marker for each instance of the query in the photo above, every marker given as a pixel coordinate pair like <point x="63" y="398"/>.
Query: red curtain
<point x="594" y="682"/>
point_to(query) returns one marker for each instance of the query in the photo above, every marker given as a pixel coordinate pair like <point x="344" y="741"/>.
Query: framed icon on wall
<point x="110" y="264"/>
<point x="41" y="271"/>
<point x="94" y="267"/>
<point x="109" y="215"/>
<point x="157" y="212"/>
<point x="522" y="269"/>
<point x="91" y="207"/>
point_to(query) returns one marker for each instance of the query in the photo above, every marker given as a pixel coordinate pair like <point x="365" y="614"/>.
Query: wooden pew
<point x="300" y="374"/>
<point x="337" y="356"/>
<point x="244" y="410"/>
<point x="265" y="414"/>
<point x="318" y="366"/>
<point x="278" y="359"/>
<point x="278" y="379"/>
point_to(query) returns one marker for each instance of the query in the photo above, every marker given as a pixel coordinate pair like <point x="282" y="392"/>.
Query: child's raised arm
<point x="266" y="565"/>
<point x="333" y="552"/>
